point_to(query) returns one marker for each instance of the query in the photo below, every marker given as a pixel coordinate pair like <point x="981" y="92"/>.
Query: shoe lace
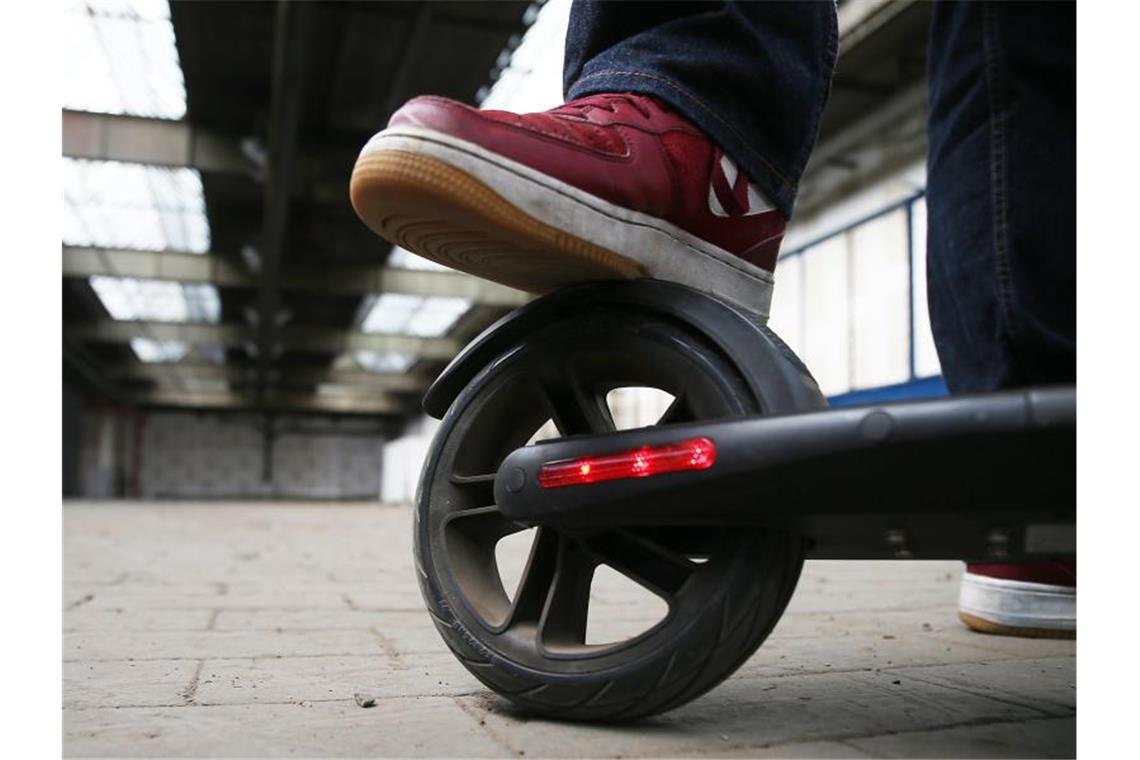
<point x="605" y="101"/>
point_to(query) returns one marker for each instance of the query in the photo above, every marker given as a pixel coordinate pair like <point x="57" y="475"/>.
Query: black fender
<point x="777" y="377"/>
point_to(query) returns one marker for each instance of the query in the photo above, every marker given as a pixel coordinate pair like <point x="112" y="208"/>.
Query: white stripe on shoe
<point x="726" y="173"/>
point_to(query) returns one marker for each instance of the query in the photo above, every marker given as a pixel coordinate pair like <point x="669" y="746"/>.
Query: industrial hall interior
<point x="244" y="364"/>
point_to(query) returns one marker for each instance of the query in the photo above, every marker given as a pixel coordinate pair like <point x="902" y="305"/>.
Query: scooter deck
<point x="973" y="477"/>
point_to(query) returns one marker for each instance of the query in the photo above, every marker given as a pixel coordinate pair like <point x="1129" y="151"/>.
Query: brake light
<point x="692" y="454"/>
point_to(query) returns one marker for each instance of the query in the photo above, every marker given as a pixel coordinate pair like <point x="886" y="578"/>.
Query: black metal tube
<point x="988" y="463"/>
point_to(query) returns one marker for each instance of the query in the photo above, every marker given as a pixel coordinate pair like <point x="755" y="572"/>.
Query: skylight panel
<point x="202" y="302"/>
<point x="404" y="314"/>
<point x="159" y="351"/>
<point x="383" y="361"/>
<point x="203" y="384"/>
<point x="130" y="299"/>
<point x="533" y="79"/>
<point x="112" y="204"/>
<point x="436" y="316"/>
<point x="388" y="313"/>
<point x="120" y="58"/>
<point x="401" y="258"/>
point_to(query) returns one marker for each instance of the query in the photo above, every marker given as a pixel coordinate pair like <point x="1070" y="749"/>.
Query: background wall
<point x="203" y="456"/>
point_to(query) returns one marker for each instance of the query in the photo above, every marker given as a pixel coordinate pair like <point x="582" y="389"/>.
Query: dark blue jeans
<point x="1001" y="190"/>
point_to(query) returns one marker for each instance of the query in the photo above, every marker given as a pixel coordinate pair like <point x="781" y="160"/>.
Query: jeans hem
<point x="761" y="171"/>
<point x="995" y="91"/>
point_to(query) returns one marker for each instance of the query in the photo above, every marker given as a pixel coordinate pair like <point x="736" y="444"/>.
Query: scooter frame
<point x="987" y="476"/>
<point x="976" y="477"/>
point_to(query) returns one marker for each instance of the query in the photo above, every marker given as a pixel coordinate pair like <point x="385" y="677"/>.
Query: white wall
<point x="403" y="458"/>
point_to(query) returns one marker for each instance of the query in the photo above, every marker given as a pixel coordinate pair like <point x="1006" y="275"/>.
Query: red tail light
<point x="692" y="454"/>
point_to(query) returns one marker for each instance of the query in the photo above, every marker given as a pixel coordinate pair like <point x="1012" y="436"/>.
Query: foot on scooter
<point x="608" y="186"/>
<point x="1035" y="599"/>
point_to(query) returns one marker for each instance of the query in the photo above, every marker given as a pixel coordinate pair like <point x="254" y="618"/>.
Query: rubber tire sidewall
<point x="746" y="607"/>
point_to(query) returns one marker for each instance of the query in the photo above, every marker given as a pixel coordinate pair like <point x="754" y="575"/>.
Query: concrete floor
<point x="248" y="630"/>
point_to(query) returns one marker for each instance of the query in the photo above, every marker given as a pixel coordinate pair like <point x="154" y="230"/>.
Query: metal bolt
<point x="998" y="541"/>
<point x="877" y="426"/>
<point x="517" y="480"/>
<point x="897" y="539"/>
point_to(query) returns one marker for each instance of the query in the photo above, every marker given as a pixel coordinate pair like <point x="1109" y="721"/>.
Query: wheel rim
<point x="564" y="375"/>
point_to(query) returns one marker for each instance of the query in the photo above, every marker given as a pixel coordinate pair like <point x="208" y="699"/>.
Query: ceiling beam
<point x="893" y="134"/>
<point x="860" y="20"/>
<point x="418" y="281"/>
<point x="881" y="125"/>
<point x="876" y="126"/>
<point x="275" y="400"/>
<point x="159" y="142"/>
<point x="162" y="142"/>
<point x="389" y="382"/>
<point x="293" y="35"/>
<point x="322" y="339"/>
<point x="347" y="280"/>
<point x="409" y="58"/>
<point x="178" y="143"/>
<point x="83" y="261"/>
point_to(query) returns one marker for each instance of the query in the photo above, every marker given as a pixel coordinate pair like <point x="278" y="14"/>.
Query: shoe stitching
<point x="732" y="261"/>
<point x="521" y="124"/>
<point x="786" y="184"/>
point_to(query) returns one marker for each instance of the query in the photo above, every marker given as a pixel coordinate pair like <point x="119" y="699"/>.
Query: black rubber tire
<point x="754" y="583"/>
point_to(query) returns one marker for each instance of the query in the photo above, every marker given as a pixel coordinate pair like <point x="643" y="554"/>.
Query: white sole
<point x="1018" y="604"/>
<point x="662" y="250"/>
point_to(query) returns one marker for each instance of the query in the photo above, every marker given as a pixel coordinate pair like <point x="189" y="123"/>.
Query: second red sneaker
<point x="1031" y="599"/>
<point x="606" y="186"/>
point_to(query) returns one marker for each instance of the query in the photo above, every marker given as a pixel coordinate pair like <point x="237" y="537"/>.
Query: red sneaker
<point x="1034" y="599"/>
<point x="606" y="186"/>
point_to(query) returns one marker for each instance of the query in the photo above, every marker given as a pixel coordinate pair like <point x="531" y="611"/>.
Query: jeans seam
<point x="995" y="85"/>
<point x="828" y="57"/>
<point x="785" y="185"/>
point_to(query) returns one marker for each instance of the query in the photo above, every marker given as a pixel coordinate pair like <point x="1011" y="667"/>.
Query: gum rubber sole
<point x="444" y="214"/>
<point x="985" y="626"/>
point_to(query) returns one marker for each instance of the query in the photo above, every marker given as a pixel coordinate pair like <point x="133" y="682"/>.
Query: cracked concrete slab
<point x="258" y="629"/>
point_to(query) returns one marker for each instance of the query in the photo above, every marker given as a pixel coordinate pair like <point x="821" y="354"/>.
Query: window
<point x="827" y="310"/>
<point x="880" y="305"/>
<point x="925" y="356"/>
<point x="852" y="305"/>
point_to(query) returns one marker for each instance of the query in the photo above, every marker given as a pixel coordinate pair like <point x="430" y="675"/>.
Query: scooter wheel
<point x="725" y="588"/>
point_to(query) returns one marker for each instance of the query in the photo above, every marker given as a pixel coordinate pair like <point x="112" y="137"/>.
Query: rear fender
<point x="780" y="381"/>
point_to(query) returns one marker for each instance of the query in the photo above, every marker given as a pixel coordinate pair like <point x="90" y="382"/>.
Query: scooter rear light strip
<point x="682" y="456"/>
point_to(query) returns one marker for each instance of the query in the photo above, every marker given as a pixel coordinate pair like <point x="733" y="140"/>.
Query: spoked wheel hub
<point x="723" y="588"/>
